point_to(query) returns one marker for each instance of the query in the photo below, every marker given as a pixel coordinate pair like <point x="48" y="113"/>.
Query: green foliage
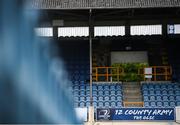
<point x="130" y="71"/>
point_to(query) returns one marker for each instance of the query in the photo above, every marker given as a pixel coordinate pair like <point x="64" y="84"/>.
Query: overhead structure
<point x="101" y="4"/>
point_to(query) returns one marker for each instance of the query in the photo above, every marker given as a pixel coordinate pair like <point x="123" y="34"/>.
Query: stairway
<point x="132" y="96"/>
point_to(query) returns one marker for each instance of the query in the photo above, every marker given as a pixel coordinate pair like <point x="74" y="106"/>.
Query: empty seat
<point x="178" y="98"/>
<point x="119" y="104"/>
<point x="95" y="98"/>
<point x="172" y="104"/>
<point x="100" y="104"/>
<point x="95" y="104"/>
<point x="165" y="98"/>
<point x="146" y="104"/>
<point x="146" y="98"/>
<point x="158" y="92"/>
<point x="106" y="87"/>
<point x="82" y="98"/>
<point x="106" y="98"/>
<point x="106" y="104"/>
<point x="159" y="104"/>
<point x="164" y="92"/>
<point x="178" y="103"/>
<point x="170" y="92"/>
<point x="119" y="98"/>
<point x="100" y="98"/>
<point x="95" y="93"/>
<point x="153" y="104"/>
<point x="100" y="93"/>
<point x="113" y="104"/>
<point x="166" y="104"/>
<point x="82" y="104"/>
<point x="113" y="98"/>
<point x="106" y="92"/>
<point x="171" y="98"/>
<point x="100" y="87"/>
<point x="152" y="98"/>
<point x="113" y="92"/>
<point x="158" y="98"/>
<point x="151" y="92"/>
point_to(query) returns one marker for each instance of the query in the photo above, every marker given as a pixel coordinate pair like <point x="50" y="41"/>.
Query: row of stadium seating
<point x="104" y="95"/>
<point x="161" y="94"/>
<point x="161" y="104"/>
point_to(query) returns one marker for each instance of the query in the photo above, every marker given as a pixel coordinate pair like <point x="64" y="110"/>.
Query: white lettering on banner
<point x="162" y="112"/>
<point x="138" y="112"/>
<point x="118" y="112"/>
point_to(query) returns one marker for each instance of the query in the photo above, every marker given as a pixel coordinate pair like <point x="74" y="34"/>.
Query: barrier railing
<point x="156" y="73"/>
<point x="107" y="74"/>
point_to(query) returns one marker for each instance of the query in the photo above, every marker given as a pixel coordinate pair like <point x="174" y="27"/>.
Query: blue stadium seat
<point x="113" y="92"/>
<point x="112" y="87"/>
<point x="119" y="104"/>
<point x="95" y="98"/>
<point x="177" y="97"/>
<point x="100" y="87"/>
<point x="119" y="98"/>
<point x="82" y="98"/>
<point x="94" y="93"/>
<point x="106" y="87"/>
<point x="165" y="98"/>
<point x="106" y="104"/>
<point x="146" y="104"/>
<point x="158" y="98"/>
<point x="158" y="92"/>
<point x="163" y="87"/>
<point x="177" y="92"/>
<point x="178" y="103"/>
<point x="151" y="92"/>
<point x="170" y="92"/>
<point x="95" y="104"/>
<point x="172" y="104"/>
<point x="82" y="104"/>
<point x="88" y="98"/>
<point x="164" y="92"/>
<point x="100" y="98"/>
<point x="171" y="98"/>
<point x="145" y="92"/>
<point x="106" y="98"/>
<point x="113" y="104"/>
<point x="146" y="98"/>
<point x="100" y="93"/>
<point x="106" y="92"/>
<point x="113" y="98"/>
<point x="152" y="98"/>
<point x="166" y="104"/>
<point x="153" y="104"/>
<point x="82" y="93"/>
<point x="100" y="104"/>
<point x="159" y="104"/>
<point x="157" y="87"/>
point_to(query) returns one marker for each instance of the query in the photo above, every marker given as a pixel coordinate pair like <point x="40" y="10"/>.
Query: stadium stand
<point x="104" y="95"/>
<point x="161" y="94"/>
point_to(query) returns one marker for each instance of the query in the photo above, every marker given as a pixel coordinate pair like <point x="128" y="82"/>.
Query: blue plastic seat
<point x="100" y="93"/>
<point x="157" y="87"/>
<point x="178" y="103"/>
<point x="159" y="104"/>
<point x="95" y="104"/>
<point x="87" y="98"/>
<point x="118" y="92"/>
<point x="94" y="93"/>
<point x="146" y="98"/>
<point x="119" y="98"/>
<point x="113" y="98"/>
<point x="158" y="98"/>
<point x="113" y="104"/>
<point x="177" y="92"/>
<point x="170" y="92"/>
<point x="100" y="87"/>
<point x="100" y="98"/>
<point x="171" y="98"/>
<point x="146" y="104"/>
<point x="153" y="104"/>
<point x="106" y="92"/>
<point x="112" y="87"/>
<point x="100" y="104"/>
<point x="151" y="92"/>
<point x="82" y="93"/>
<point x="152" y="98"/>
<point x="163" y="87"/>
<point x="158" y="92"/>
<point x="76" y="93"/>
<point x="106" y="87"/>
<point x="113" y="92"/>
<point x="177" y="97"/>
<point x="145" y="92"/>
<point x="119" y="104"/>
<point x="106" y="98"/>
<point x="95" y="98"/>
<point x="165" y="98"/>
<point x="164" y="92"/>
<point x="82" y="104"/>
<point x="82" y="98"/>
<point x="166" y="104"/>
<point x="106" y="104"/>
<point x="172" y="104"/>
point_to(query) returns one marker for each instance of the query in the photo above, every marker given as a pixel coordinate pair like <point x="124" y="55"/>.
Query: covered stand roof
<point x="102" y="4"/>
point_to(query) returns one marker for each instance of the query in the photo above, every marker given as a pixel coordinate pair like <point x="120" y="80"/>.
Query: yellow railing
<point x="159" y="73"/>
<point x="138" y="104"/>
<point x="107" y="73"/>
